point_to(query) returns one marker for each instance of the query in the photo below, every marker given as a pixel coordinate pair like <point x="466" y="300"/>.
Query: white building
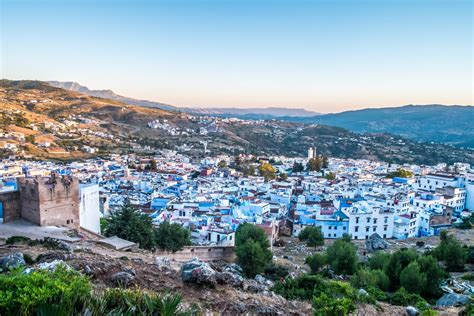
<point x="89" y="208"/>
<point x="365" y="220"/>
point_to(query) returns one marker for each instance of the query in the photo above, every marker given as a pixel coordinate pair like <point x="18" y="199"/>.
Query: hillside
<point x="429" y="123"/>
<point x="70" y="125"/>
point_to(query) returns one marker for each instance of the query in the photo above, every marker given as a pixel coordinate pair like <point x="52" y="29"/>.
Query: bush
<point x="130" y="224"/>
<point x="252" y="249"/>
<point x="316" y="262"/>
<point x="403" y="298"/>
<point x="379" y="260"/>
<point x="17" y="240"/>
<point x="451" y="253"/>
<point x="342" y="256"/>
<point x="27" y="294"/>
<point x="412" y="279"/>
<point x="312" y="235"/>
<point x="172" y="237"/>
<point x="397" y="262"/>
<point x="276" y="272"/>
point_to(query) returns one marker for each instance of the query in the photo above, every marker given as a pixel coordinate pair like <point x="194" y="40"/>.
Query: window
<point x="357" y="220"/>
<point x="355" y="237"/>
<point x="385" y="228"/>
<point x="385" y="220"/>
<point x="375" y="221"/>
<point x="368" y="219"/>
<point x="374" y="228"/>
<point x="356" y="229"/>
<point x="367" y="229"/>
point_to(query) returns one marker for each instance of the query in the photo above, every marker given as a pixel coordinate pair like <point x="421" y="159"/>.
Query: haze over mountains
<point x="432" y="123"/>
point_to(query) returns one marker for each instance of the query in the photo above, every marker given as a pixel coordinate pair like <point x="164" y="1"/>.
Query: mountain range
<point x="428" y="123"/>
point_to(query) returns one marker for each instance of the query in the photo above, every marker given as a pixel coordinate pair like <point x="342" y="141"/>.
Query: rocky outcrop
<point x="375" y="242"/>
<point x="199" y="272"/>
<point x="452" y="299"/>
<point x="12" y="261"/>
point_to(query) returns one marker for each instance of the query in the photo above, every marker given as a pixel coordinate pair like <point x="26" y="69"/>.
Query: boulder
<point x="122" y="278"/>
<point x="452" y="299"/>
<point x="263" y="281"/>
<point x="375" y="242"/>
<point x="51" y="266"/>
<point x="230" y="278"/>
<point x="234" y="268"/>
<point x="253" y="286"/>
<point x="412" y="311"/>
<point x="163" y="262"/>
<point x="12" y="261"/>
<point x="363" y="292"/>
<point x="199" y="272"/>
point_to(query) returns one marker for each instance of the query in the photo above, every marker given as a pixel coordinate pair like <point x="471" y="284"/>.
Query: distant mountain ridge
<point x="249" y="113"/>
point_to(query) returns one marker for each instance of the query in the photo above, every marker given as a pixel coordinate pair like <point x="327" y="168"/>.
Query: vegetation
<point x="252" y="249"/>
<point x="316" y="262"/>
<point x="67" y="292"/>
<point x="130" y="224"/>
<point x="172" y="237"/>
<point x="451" y="252"/>
<point x="330" y="176"/>
<point x="342" y="256"/>
<point x="400" y="173"/>
<point x="312" y="235"/>
<point x="315" y="164"/>
<point x="298" y="167"/>
<point x="267" y="171"/>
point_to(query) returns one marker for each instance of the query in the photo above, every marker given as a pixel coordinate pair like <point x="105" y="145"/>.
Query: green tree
<point x="312" y="235"/>
<point x="252" y="249"/>
<point x="314" y="164"/>
<point x="172" y="237"/>
<point x="331" y="176"/>
<point x="130" y="224"/>
<point x="316" y="262"/>
<point x="342" y="256"/>
<point x="298" y="167"/>
<point x="267" y="171"/>
<point x="434" y="275"/>
<point x="400" y="173"/>
<point x="364" y="279"/>
<point x="451" y="252"/>
<point x="379" y="260"/>
<point x="412" y="279"/>
<point x="283" y="176"/>
<point x="325" y="162"/>
<point x="398" y="261"/>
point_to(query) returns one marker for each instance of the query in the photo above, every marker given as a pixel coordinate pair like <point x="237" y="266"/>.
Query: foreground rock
<point x="12" y="261"/>
<point x="452" y="299"/>
<point x="122" y="278"/>
<point x="199" y="272"/>
<point x="375" y="242"/>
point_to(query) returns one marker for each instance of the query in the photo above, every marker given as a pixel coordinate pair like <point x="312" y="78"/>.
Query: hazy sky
<point x="326" y="56"/>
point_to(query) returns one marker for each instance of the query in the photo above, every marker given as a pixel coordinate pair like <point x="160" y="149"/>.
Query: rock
<point x="62" y="245"/>
<point x="363" y="292"/>
<point x="130" y="270"/>
<point x="263" y="281"/>
<point x="122" y="278"/>
<point x="375" y="242"/>
<point x="51" y="266"/>
<point x="199" y="272"/>
<point x="230" y="278"/>
<point x="253" y="286"/>
<point x="12" y="261"/>
<point x="412" y="311"/>
<point x="163" y="262"/>
<point x="88" y="270"/>
<point x="51" y="256"/>
<point x="452" y="299"/>
<point x="234" y="268"/>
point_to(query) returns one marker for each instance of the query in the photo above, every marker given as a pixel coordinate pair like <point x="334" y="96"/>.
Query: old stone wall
<point x="11" y="205"/>
<point x="204" y="253"/>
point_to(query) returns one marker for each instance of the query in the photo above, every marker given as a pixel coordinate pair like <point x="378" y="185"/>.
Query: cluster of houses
<point x="212" y="198"/>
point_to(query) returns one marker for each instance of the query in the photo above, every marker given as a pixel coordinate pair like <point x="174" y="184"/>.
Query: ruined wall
<point x="50" y="201"/>
<point x="11" y="205"/>
<point x="204" y="253"/>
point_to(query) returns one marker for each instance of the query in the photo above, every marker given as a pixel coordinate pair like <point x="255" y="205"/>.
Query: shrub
<point x="276" y="272"/>
<point x="312" y="235"/>
<point x="130" y="224"/>
<point x="342" y="257"/>
<point x="172" y="237"/>
<point x="40" y="290"/>
<point x="412" y="279"/>
<point x="397" y="262"/>
<point x="316" y="262"/>
<point x="451" y="252"/>
<point x="17" y="240"/>
<point x="403" y="298"/>
<point x="252" y="249"/>
<point x="379" y="260"/>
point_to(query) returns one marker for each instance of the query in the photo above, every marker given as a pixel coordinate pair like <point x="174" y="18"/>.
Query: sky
<point x="321" y="55"/>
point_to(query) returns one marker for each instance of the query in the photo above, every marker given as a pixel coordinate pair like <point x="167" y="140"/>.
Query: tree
<point x="398" y="261"/>
<point x="312" y="235"/>
<point x="267" y="171"/>
<point x="316" y="262"/>
<point x="400" y="173"/>
<point x="153" y="165"/>
<point x="325" y="162"/>
<point x="222" y="164"/>
<point x="298" y="167"/>
<point x="331" y="176"/>
<point x="412" y="279"/>
<point x="130" y="224"/>
<point x="342" y="256"/>
<point x="172" y="237"/>
<point x="314" y="164"/>
<point x="364" y="279"/>
<point x="451" y="252"/>
<point x="283" y="176"/>
<point x="434" y="275"/>
<point x="252" y="249"/>
<point x="379" y="260"/>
